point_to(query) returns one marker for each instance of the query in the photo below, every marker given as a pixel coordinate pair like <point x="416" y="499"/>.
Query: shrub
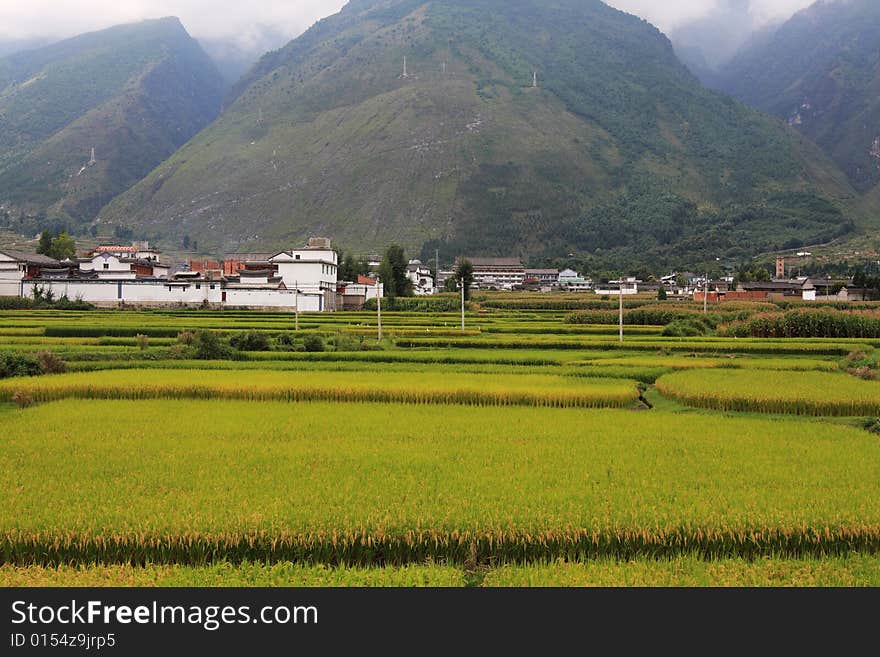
<point x="22" y="399"/>
<point x="313" y="343"/>
<point x="15" y="303"/>
<point x="284" y="342"/>
<point x="864" y="365"/>
<point x="250" y="341"/>
<point x="347" y="342"/>
<point x="64" y="303"/>
<point x="690" y="327"/>
<point x="209" y="347"/>
<point x="12" y="364"/>
<point x="865" y="373"/>
<point x="50" y="363"/>
<point x="186" y="338"/>
<point x="142" y="341"/>
<point x="872" y="424"/>
<point x="178" y="352"/>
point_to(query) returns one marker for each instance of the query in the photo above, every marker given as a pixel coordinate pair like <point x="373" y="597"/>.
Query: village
<point x="307" y="279"/>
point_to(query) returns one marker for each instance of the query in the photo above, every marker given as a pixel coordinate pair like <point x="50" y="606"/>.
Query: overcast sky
<point x="238" y="18"/>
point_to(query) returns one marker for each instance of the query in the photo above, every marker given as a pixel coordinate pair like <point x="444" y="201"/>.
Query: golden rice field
<point x="421" y="388"/>
<point x="856" y="570"/>
<point x="803" y="393"/>
<point x="522" y="452"/>
<point x="190" y="482"/>
<point x="233" y="575"/>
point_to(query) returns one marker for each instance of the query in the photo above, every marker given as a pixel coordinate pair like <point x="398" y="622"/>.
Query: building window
<point x="297" y="257"/>
<point x="213" y="286"/>
<point x="106" y="266"/>
<point x="198" y="286"/>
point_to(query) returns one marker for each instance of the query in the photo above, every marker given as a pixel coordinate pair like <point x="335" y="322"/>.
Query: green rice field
<point x="228" y="448"/>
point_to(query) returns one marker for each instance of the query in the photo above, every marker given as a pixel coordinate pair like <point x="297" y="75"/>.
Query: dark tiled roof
<point x="495" y="262"/>
<point x="31" y="258"/>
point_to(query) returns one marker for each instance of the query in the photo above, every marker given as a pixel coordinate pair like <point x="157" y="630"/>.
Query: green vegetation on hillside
<point x="619" y="154"/>
<point x="134" y="93"/>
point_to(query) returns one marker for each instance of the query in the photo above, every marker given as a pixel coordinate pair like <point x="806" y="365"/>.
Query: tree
<point x="754" y="274"/>
<point x="464" y="275"/>
<point x="63" y="247"/>
<point x="661" y="294"/>
<point x="349" y="269"/>
<point x="392" y="271"/>
<point x="45" y="242"/>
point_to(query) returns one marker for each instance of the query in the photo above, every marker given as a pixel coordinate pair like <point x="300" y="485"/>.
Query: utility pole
<point x="535" y="80"/>
<point x="706" y="295"/>
<point x="620" y="295"/>
<point x="436" y="271"/>
<point x="462" y="283"/>
<point x="379" y="308"/>
<point x="296" y="303"/>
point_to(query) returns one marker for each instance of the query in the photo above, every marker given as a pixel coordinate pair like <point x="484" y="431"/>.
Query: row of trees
<point x="392" y="272"/>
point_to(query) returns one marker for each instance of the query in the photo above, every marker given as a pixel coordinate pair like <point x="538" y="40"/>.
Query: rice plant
<point x="403" y="484"/>
<point x="774" y="391"/>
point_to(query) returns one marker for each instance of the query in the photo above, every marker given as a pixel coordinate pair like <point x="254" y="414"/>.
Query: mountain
<point x="821" y="73"/>
<point x="12" y="45"/>
<point x="617" y="152"/>
<point x="134" y="93"/>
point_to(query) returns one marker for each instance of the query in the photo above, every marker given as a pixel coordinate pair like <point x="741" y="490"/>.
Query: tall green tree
<point x="392" y="271"/>
<point x="464" y="275"/>
<point x="348" y="269"/>
<point x="63" y="247"/>
<point x="45" y="242"/>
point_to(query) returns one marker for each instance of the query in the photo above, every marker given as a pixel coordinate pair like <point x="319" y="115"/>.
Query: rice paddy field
<point x="225" y="448"/>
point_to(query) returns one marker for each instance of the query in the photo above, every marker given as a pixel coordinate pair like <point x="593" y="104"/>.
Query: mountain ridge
<point x="134" y="93"/>
<point x="618" y="151"/>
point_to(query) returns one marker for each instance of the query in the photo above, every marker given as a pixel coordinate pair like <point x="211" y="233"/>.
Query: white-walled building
<point x="107" y="293"/>
<point x="421" y="277"/>
<point x="16" y="266"/>
<point x="353" y="295"/>
<point x="616" y="288"/>
<point x="498" y="273"/>
<point x="301" y="279"/>
<point x="312" y="270"/>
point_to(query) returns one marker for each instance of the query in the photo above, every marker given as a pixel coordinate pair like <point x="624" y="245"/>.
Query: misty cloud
<point x="241" y="22"/>
<point x="670" y="14"/>
<point x="245" y="22"/>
